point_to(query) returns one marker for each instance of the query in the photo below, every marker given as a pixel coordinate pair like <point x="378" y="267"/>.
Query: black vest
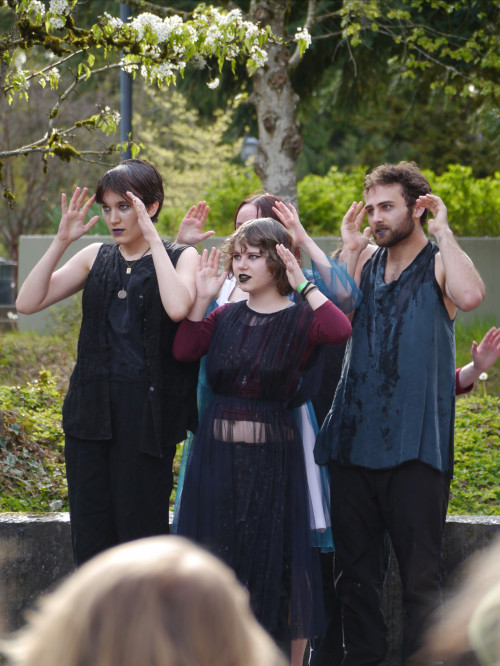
<point x="170" y="408"/>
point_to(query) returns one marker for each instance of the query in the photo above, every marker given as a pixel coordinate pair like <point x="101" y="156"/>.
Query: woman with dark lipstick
<point x="245" y="491"/>
<point x="337" y="285"/>
<point x="129" y="401"/>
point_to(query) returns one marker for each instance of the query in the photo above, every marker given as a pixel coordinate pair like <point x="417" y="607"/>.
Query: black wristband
<point x="305" y="292"/>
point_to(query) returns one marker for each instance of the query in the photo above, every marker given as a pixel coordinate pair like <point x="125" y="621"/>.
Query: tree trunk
<point x="275" y="102"/>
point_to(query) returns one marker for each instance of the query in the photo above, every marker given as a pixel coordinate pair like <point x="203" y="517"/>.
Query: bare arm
<point x="176" y="284"/>
<point x="337" y="284"/>
<point x="461" y="283"/>
<point x="484" y="356"/>
<point x="44" y="285"/>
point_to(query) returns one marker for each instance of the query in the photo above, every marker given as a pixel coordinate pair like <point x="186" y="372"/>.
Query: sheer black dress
<point x="245" y="491"/>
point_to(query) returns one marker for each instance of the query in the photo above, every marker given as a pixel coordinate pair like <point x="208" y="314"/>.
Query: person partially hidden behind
<point x="390" y="430"/>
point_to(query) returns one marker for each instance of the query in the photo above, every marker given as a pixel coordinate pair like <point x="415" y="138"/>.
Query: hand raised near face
<point x="191" y="227"/>
<point x="350" y="229"/>
<point x="208" y="280"/>
<point x="438" y="222"/>
<point x="293" y="270"/>
<point x="72" y="225"/>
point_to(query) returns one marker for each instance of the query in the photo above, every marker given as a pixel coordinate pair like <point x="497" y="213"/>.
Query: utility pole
<point x="125" y="97"/>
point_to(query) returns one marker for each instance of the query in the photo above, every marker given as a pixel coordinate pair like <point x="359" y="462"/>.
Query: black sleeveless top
<point x="170" y="408"/>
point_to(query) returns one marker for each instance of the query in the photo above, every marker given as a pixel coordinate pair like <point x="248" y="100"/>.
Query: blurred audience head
<point x="160" y="601"/>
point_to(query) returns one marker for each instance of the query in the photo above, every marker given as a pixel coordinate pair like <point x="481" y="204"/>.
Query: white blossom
<point x="113" y="21"/>
<point x="162" y="29"/>
<point x="214" y="84"/>
<point x="303" y="34"/>
<point x="483" y="376"/>
<point x="57" y="23"/>
<point x="51" y="76"/>
<point x="36" y="7"/>
<point x="58" y="6"/>
<point x="259" y="56"/>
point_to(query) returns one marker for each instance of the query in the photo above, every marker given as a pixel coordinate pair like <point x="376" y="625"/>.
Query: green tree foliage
<point x="61" y="48"/>
<point x="384" y="81"/>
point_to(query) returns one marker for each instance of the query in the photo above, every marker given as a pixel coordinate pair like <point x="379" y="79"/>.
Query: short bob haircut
<point x="137" y="176"/>
<point x="264" y="233"/>
<point x="159" y="601"/>
<point x="408" y="175"/>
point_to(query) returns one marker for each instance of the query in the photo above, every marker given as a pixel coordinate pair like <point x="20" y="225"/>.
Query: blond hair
<point x="160" y="601"/>
<point x="470" y="619"/>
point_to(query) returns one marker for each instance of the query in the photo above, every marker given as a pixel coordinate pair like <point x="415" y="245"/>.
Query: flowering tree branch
<point x="157" y="46"/>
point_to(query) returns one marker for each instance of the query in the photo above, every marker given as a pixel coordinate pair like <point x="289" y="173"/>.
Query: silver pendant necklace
<point x="130" y="264"/>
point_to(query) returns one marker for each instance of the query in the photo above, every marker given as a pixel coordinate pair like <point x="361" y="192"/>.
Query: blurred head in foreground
<point x="469" y="622"/>
<point x="160" y="601"/>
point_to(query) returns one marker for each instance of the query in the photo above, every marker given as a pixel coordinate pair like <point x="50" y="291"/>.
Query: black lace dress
<point x="245" y="493"/>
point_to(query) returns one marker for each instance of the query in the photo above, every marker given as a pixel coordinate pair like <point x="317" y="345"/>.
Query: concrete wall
<point x="484" y="252"/>
<point x="35" y="553"/>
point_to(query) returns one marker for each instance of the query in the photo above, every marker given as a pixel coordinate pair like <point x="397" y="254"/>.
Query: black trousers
<point x="409" y="503"/>
<point x="329" y="649"/>
<point x="117" y="494"/>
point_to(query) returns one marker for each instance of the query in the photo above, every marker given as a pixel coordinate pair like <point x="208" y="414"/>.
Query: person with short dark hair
<point x="389" y="433"/>
<point x="129" y="401"/>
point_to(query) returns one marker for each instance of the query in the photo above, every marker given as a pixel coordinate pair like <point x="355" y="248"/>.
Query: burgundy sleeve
<point x="330" y="326"/>
<point x="193" y="338"/>
<point x="458" y="389"/>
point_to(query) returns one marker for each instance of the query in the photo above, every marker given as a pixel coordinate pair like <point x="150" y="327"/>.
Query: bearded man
<point x="389" y="433"/>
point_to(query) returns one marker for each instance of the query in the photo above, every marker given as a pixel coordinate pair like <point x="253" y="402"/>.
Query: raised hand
<point x="148" y="228"/>
<point x="350" y="229"/>
<point x="191" y="228"/>
<point x="293" y="270"/>
<point x="438" y="223"/>
<point x="289" y="218"/>
<point x="486" y="353"/>
<point x="208" y="280"/>
<point x="72" y="225"/>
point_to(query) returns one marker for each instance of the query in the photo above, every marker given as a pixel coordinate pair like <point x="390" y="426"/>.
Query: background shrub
<point x="473" y="203"/>
<point x="32" y="474"/>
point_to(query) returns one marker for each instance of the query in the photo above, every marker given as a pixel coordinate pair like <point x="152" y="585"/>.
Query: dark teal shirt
<point x="395" y="401"/>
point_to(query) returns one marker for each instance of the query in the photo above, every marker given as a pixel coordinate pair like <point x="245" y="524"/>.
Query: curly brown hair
<point x="408" y="175"/>
<point x="264" y="233"/>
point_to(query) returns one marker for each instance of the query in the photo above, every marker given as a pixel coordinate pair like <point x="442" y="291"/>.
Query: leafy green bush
<point x="23" y="354"/>
<point x="473" y="203"/>
<point x="32" y="474"/>
<point x="31" y="447"/>
<point x="476" y="486"/>
<point x="32" y="469"/>
<point x="465" y="333"/>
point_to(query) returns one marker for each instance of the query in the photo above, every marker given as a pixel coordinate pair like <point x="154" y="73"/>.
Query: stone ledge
<point x="35" y="553"/>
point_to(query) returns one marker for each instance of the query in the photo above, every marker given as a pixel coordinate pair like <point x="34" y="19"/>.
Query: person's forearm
<point x="34" y="291"/>
<point x="177" y="298"/>
<point x="464" y="285"/>
<point x="330" y="326"/>
<point x="200" y="306"/>
<point x="349" y="258"/>
<point x="468" y="375"/>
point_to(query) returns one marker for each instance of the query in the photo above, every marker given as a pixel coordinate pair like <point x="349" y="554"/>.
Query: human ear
<point x="152" y="208"/>
<point x="418" y="211"/>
